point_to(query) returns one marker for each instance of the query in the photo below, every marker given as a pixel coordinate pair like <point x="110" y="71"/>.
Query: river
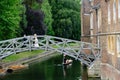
<point x="48" y="69"/>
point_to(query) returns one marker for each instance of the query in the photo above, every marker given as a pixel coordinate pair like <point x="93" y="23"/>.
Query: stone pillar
<point x="94" y="71"/>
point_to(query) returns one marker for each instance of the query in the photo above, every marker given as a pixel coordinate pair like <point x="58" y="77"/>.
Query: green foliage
<point x="10" y="11"/>
<point x="46" y="8"/>
<point x="36" y="6"/>
<point x="66" y="15"/>
<point x="34" y="17"/>
<point x="23" y="22"/>
<point x="61" y="18"/>
<point x="33" y="4"/>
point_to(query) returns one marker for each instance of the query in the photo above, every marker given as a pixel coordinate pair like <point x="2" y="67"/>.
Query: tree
<point x="46" y="8"/>
<point x="66" y="15"/>
<point x="23" y="22"/>
<point x="10" y="11"/>
<point x="35" y="17"/>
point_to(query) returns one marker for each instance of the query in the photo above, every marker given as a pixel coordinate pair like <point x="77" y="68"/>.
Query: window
<point x="118" y="44"/>
<point x="109" y="17"/>
<point x="108" y="43"/>
<point x="91" y="21"/>
<point x="114" y="11"/>
<point x="111" y="44"/>
<point x="99" y="18"/>
<point x="91" y="24"/>
<point x="119" y="9"/>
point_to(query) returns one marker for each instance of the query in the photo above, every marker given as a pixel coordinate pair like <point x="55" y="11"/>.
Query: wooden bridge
<point x="87" y="53"/>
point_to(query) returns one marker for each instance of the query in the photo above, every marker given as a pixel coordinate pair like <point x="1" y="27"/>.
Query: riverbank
<point x="24" y="62"/>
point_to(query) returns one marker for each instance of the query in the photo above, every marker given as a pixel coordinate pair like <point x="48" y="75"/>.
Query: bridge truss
<point x="87" y="53"/>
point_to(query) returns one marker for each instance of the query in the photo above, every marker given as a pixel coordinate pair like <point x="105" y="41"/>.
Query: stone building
<point x="101" y="25"/>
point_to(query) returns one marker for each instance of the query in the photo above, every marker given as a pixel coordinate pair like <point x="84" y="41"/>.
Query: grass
<point x="22" y="55"/>
<point x="69" y="44"/>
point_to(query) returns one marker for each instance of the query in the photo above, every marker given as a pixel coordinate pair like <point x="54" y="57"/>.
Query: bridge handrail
<point x="79" y="51"/>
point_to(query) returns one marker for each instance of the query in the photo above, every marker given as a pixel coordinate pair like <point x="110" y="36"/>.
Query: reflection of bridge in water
<point x="87" y="53"/>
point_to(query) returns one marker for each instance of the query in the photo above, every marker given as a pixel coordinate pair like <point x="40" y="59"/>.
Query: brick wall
<point x="85" y="20"/>
<point x="110" y="58"/>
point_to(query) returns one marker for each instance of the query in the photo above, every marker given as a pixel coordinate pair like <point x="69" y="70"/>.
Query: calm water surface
<point x="50" y="69"/>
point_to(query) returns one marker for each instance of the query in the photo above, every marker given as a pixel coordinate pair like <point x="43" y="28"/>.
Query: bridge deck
<point x="87" y="53"/>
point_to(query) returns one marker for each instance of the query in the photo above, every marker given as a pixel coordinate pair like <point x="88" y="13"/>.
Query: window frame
<point x="118" y="45"/>
<point x="109" y="14"/>
<point x="114" y="11"/>
<point x="118" y="9"/>
<point x="111" y="44"/>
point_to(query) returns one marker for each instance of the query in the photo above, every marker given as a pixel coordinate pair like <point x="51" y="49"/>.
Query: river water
<point x="49" y="69"/>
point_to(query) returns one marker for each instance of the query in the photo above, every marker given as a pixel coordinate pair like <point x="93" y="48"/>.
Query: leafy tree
<point x="66" y="15"/>
<point x="35" y="17"/>
<point x="10" y="11"/>
<point x="35" y="22"/>
<point x="46" y="8"/>
<point x="23" y="22"/>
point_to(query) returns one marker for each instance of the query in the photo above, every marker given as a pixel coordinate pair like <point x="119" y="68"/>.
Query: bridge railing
<point x="13" y="46"/>
<point x="87" y="53"/>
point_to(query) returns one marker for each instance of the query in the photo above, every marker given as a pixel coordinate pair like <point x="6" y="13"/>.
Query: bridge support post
<point x="47" y="43"/>
<point x="13" y="44"/>
<point x="84" y="72"/>
<point x="29" y="40"/>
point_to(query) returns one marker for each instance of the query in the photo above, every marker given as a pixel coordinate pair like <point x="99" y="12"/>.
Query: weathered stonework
<point x="100" y="26"/>
<point x="95" y="70"/>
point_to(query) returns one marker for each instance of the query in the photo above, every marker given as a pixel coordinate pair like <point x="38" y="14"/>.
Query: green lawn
<point x="70" y="44"/>
<point x="21" y="55"/>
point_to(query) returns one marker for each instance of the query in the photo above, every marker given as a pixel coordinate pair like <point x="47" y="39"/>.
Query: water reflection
<point x="51" y="69"/>
<point x="65" y="67"/>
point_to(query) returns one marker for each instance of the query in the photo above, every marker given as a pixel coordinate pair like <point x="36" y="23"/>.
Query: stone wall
<point x="104" y="23"/>
<point x="110" y="59"/>
<point x="95" y="70"/>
